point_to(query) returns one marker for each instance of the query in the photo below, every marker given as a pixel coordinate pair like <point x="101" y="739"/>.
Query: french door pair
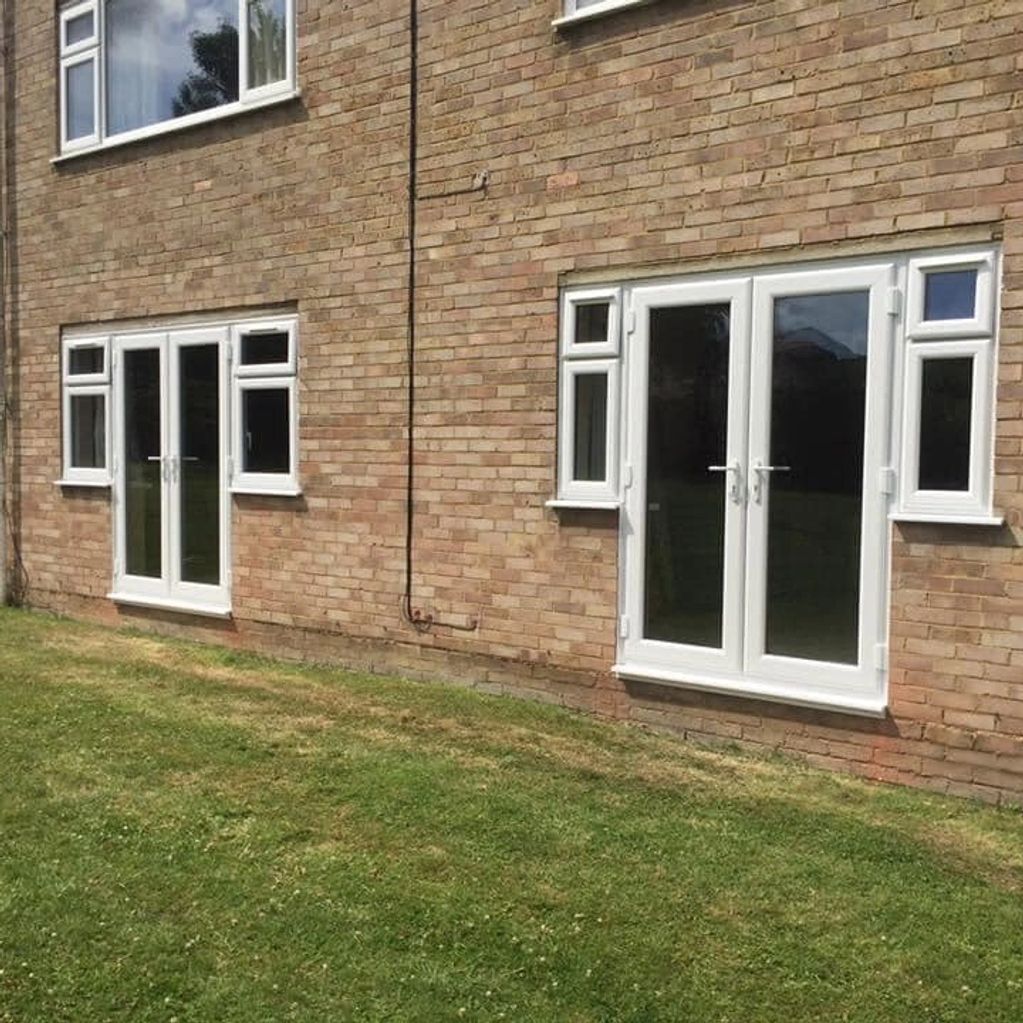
<point x="170" y="443"/>
<point x="754" y="540"/>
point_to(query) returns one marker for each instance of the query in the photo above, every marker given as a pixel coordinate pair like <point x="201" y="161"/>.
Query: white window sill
<point x="568" y="503"/>
<point x="180" y="124"/>
<point x="596" y="11"/>
<point x="263" y="492"/>
<point x="948" y="520"/>
<point x="866" y="705"/>
<point x="162" y="604"/>
<point x="90" y="484"/>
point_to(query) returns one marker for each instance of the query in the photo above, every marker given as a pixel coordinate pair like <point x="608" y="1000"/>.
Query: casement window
<point x="131" y="68"/>
<point x="265" y="434"/>
<point x="86" y="412"/>
<point x="589" y="421"/>
<point x="949" y="381"/>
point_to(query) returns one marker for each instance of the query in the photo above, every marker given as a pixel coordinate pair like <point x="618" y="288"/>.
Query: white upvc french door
<point x="817" y="510"/>
<point x="171" y="523"/>
<point x="687" y="476"/>
<point x="754" y="548"/>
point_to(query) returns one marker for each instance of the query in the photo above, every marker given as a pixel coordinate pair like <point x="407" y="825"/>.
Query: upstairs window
<point x="130" y="68"/>
<point x="578" y="10"/>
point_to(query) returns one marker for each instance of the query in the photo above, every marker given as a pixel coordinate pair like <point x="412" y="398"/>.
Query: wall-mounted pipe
<point x="421" y="620"/>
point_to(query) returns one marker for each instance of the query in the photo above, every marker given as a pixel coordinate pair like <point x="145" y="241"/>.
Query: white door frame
<point x="727" y="659"/>
<point x="740" y="666"/>
<point x="824" y="682"/>
<point x="170" y="591"/>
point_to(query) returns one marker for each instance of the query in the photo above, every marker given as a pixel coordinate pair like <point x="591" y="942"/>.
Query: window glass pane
<point x="88" y="431"/>
<point x="169" y="59"/>
<point x="268" y="42"/>
<point x="946" y="399"/>
<point x="590" y="427"/>
<point x="265" y="430"/>
<point x="815" y="497"/>
<point x="78" y="29"/>
<point x="80" y="86"/>
<point x="200" y="464"/>
<point x="265" y="349"/>
<point x="950" y="295"/>
<point x="85" y="361"/>
<point x="591" y="322"/>
<point x="687" y="427"/>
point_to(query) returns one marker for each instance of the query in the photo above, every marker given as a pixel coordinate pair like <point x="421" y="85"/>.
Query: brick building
<point x="715" y="343"/>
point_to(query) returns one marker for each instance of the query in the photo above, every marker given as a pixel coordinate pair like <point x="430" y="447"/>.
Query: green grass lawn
<point x="189" y="834"/>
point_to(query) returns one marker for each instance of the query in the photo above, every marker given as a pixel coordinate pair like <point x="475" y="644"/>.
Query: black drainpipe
<point x="420" y="620"/>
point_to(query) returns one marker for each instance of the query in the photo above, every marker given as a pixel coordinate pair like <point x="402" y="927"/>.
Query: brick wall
<point x="670" y="137"/>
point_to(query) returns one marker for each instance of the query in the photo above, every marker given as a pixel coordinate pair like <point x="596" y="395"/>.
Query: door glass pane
<point x="687" y="427"/>
<point x="200" y="464"/>
<point x="88" y="431"/>
<point x="81" y="94"/>
<point x="167" y="60"/>
<point x="143" y="515"/>
<point x="268" y="42"/>
<point x="815" y="504"/>
<point x="950" y="295"/>
<point x="590" y="427"/>
<point x="946" y="399"/>
<point x="266" y="430"/>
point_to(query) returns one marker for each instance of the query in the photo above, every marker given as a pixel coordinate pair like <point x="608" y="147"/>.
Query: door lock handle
<point x="761" y="473"/>
<point x="734" y="471"/>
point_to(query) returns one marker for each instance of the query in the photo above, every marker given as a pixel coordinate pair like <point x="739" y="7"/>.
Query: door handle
<point x="761" y="473"/>
<point x="734" y="471"/>
<point x="164" y="465"/>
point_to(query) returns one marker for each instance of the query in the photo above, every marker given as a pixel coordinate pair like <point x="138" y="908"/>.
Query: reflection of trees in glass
<point x="216" y="82"/>
<point x="267" y="42"/>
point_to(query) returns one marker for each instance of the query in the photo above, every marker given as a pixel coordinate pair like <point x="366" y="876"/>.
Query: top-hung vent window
<point x="131" y="68"/>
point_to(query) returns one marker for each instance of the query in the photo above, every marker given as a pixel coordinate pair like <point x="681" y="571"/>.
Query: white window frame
<point x="94" y="49"/>
<point x="77" y="344"/>
<point x="271" y="376"/>
<point x="982" y="322"/>
<point x="286" y="368"/>
<point x="975" y="502"/>
<point x="975" y="338"/>
<point x="574" y="11"/>
<point x="72" y="55"/>
<point x="84" y="384"/>
<point x="583" y="493"/>
<point x="571" y="300"/>
<point x="69" y="14"/>
<point x="598" y="358"/>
